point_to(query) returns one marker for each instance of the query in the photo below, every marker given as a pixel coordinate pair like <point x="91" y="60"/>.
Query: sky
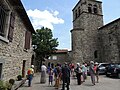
<point x="57" y="15"/>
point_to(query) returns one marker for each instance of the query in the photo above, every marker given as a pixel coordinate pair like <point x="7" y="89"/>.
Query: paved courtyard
<point x="104" y="84"/>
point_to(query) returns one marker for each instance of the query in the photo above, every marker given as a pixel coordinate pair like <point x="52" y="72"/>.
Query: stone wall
<point x="12" y="53"/>
<point x="110" y="42"/>
<point x="60" y="58"/>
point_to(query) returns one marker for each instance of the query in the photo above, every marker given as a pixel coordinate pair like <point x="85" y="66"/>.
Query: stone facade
<point x="109" y="37"/>
<point x="60" y="56"/>
<point x="14" y="58"/>
<point x="84" y="33"/>
<point x="90" y="38"/>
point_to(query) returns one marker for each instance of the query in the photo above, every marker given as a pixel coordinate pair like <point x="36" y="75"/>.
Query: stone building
<point x="89" y="35"/>
<point x="109" y="37"/>
<point x="15" y="39"/>
<point x="87" y="17"/>
<point x="59" y="56"/>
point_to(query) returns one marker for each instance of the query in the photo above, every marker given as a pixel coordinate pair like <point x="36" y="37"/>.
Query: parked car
<point x="102" y="67"/>
<point x="113" y="70"/>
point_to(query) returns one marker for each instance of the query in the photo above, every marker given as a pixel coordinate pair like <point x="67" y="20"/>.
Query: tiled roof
<point x="61" y="51"/>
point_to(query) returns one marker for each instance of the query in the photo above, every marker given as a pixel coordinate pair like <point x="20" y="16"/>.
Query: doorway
<point x="23" y="68"/>
<point x="0" y="70"/>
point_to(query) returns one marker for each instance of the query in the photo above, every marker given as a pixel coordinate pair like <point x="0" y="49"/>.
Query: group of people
<point x="61" y="74"/>
<point x="81" y="73"/>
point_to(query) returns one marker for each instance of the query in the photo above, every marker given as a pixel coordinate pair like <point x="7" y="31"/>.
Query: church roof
<point x="109" y="23"/>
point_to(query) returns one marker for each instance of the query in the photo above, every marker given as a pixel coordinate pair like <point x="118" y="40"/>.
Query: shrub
<point x="8" y="85"/>
<point x="19" y="77"/>
<point x="2" y="85"/>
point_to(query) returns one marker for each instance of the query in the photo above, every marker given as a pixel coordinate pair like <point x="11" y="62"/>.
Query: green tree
<point x="44" y="43"/>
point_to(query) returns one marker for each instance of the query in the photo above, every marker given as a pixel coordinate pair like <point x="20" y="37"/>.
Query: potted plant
<point x="19" y="77"/>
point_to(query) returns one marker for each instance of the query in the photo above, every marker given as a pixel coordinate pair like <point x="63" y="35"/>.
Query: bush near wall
<point x="5" y="85"/>
<point x="2" y="85"/>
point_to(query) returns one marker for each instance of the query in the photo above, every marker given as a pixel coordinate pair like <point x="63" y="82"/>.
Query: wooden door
<point x="23" y="68"/>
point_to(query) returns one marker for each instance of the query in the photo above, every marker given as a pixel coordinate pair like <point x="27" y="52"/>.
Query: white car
<point x="102" y="67"/>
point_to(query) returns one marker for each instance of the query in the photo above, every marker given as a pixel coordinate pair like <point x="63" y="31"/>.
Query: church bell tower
<point x="87" y="18"/>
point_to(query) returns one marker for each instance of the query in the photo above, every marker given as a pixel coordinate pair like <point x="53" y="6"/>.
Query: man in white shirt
<point x="43" y="73"/>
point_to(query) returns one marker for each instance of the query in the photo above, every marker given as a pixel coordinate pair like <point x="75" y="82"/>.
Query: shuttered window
<point x="27" y="39"/>
<point x="11" y="27"/>
<point x="3" y="17"/>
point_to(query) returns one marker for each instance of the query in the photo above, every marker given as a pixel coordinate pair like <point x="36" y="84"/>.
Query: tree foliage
<point x="44" y="43"/>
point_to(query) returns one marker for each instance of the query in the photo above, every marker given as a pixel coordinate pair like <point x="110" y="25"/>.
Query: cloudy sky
<point x="57" y="15"/>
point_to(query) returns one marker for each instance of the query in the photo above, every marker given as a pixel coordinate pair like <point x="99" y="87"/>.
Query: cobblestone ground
<point x="105" y="83"/>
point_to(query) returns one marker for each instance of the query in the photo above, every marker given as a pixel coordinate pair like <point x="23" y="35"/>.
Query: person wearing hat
<point x="78" y="71"/>
<point x="92" y="72"/>
<point x="30" y="74"/>
<point x="96" y="69"/>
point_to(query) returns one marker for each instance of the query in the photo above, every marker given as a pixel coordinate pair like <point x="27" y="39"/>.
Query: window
<point x="7" y="19"/>
<point x="27" y="40"/>
<point x="75" y="14"/>
<point x="3" y="18"/>
<point x="79" y="11"/>
<point x="54" y="57"/>
<point x="95" y="9"/>
<point x="90" y="8"/>
<point x="11" y="27"/>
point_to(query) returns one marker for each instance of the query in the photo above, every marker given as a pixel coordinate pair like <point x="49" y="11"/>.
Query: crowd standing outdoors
<point x="60" y="74"/>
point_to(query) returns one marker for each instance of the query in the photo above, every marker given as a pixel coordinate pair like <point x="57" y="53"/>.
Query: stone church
<point x="91" y="40"/>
